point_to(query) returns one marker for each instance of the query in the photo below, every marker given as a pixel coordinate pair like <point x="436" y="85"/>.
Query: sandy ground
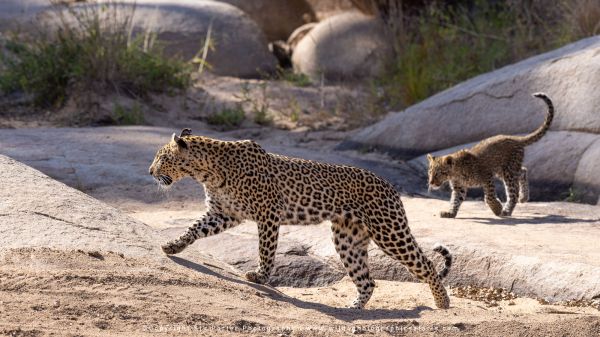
<point x="46" y="292"/>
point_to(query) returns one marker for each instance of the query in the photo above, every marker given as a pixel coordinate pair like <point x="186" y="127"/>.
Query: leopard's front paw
<point x="356" y="304"/>
<point x="496" y="208"/>
<point x="506" y="213"/>
<point x="256" y="277"/>
<point x="173" y="247"/>
<point x="442" y="302"/>
<point x="445" y="214"/>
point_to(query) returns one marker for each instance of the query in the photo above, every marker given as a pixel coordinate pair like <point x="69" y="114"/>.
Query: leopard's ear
<point x="430" y="158"/>
<point x="185" y="132"/>
<point x="180" y="142"/>
<point x="448" y="160"/>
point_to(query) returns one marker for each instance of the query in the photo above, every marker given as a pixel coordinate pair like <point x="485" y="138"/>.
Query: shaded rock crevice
<point x="471" y="96"/>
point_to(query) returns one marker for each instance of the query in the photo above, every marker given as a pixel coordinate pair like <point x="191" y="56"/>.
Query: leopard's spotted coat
<point x="500" y="156"/>
<point x="243" y="182"/>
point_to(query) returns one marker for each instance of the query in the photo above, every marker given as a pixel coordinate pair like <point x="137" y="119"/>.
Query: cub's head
<point x="439" y="170"/>
<point x="171" y="162"/>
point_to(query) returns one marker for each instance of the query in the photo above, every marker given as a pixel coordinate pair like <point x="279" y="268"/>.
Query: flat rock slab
<point x="546" y="249"/>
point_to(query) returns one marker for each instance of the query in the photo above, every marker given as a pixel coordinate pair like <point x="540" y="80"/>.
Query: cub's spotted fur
<point x="243" y="182"/>
<point x="500" y="156"/>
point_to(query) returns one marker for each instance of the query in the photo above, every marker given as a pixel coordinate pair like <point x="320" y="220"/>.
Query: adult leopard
<point x="244" y="182"/>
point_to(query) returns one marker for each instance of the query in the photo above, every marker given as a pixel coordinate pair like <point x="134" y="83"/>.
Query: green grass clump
<point x="573" y="195"/>
<point x="262" y="118"/>
<point x="128" y="115"/>
<point x="41" y="71"/>
<point x="259" y="106"/>
<point x="228" y="118"/>
<point x="91" y="50"/>
<point x="296" y="79"/>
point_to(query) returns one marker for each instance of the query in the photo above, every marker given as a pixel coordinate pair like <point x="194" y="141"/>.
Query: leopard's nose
<point x="150" y="171"/>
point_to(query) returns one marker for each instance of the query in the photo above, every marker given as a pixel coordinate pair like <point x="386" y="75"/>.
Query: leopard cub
<point x="499" y="156"/>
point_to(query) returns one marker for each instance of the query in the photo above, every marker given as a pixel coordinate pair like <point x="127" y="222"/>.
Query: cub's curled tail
<point x="541" y="131"/>
<point x="438" y="248"/>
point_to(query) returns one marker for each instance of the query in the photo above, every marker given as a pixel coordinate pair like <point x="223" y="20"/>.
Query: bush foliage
<point x="91" y="49"/>
<point x="441" y="45"/>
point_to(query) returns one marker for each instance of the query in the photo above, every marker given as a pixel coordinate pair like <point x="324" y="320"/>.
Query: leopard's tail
<point x="442" y="250"/>
<point x="541" y="131"/>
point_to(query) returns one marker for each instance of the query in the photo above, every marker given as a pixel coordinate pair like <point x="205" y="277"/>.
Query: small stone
<point x="357" y="331"/>
<point x="96" y="254"/>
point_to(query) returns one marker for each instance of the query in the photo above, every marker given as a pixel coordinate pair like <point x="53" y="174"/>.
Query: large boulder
<point x="238" y="46"/>
<point x="327" y="8"/>
<point x="343" y="47"/>
<point x="298" y="34"/>
<point x="586" y="182"/>
<point x="498" y="102"/>
<point x="278" y="19"/>
<point x="37" y="211"/>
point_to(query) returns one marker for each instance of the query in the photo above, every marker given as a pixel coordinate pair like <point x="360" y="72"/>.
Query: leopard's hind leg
<point x="490" y="197"/>
<point x="511" y="185"/>
<point x="395" y="239"/>
<point x="523" y="186"/>
<point x="405" y="250"/>
<point x="351" y="241"/>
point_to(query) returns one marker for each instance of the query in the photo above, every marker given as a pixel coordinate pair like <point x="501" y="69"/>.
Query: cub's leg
<point x="523" y="186"/>
<point x="402" y="246"/>
<point x="212" y="223"/>
<point x="351" y="241"/>
<point x="459" y="194"/>
<point x="511" y="185"/>
<point x="268" y="233"/>
<point x="490" y="198"/>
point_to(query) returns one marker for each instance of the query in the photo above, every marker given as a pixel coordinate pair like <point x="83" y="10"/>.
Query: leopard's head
<point x="172" y="162"/>
<point x="439" y="171"/>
